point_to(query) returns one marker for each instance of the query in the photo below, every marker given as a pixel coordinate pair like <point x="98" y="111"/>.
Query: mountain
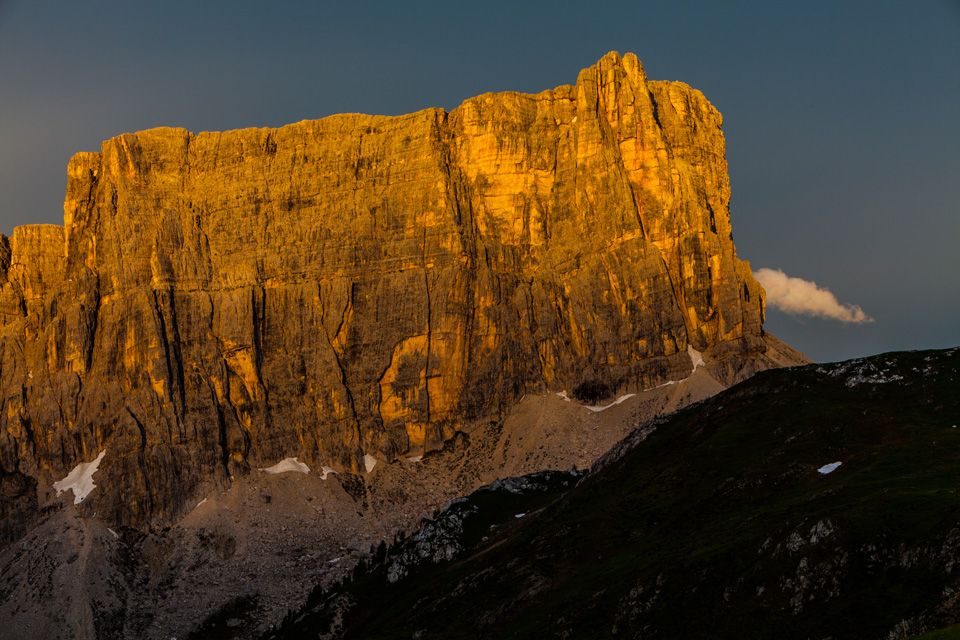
<point x="245" y="351"/>
<point x="810" y="502"/>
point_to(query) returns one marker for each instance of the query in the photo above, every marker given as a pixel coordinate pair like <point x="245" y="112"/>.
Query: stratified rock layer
<point x="364" y="285"/>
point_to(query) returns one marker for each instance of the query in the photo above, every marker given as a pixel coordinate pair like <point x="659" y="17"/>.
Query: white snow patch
<point x="113" y="532"/>
<point x="80" y="480"/>
<point x="563" y="394"/>
<point x="335" y="560"/>
<point x="326" y="470"/>
<point x="695" y="357"/>
<point x="200" y="503"/>
<point x="519" y="515"/>
<point x="287" y="464"/>
<point x="415" y="458"/>
<point x="369" y="462"/>
<point x="827" y="468"/>
<point x="615" y="402"/>
<point x="665" y="384"/>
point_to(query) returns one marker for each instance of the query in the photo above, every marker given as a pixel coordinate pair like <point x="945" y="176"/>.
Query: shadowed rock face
<point x="363" y="285"/>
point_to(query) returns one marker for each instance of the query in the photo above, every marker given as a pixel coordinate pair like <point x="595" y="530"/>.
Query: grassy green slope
<point x="720" y="526"/>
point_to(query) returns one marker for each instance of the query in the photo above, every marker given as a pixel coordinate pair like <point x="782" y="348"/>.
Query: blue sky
<point x="842" y="119"/>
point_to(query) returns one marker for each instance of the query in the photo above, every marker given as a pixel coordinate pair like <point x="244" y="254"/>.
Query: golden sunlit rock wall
<point x="364" y="284"/>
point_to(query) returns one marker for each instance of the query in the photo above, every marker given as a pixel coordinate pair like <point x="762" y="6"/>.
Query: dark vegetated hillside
<point x="949" y="633"/>
<point x="720" y="525"/>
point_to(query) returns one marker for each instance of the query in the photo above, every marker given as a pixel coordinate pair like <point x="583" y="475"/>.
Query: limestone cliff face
<point x="364" y="285"/>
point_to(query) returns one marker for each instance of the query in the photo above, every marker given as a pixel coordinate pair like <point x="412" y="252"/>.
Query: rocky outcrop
<point x="364" y="285"/>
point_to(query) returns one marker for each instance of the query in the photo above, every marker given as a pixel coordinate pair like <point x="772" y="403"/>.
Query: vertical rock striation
<point x="363" y="285"/>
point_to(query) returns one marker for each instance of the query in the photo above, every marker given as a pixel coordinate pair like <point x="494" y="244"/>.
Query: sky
<point x="842" y="119"/>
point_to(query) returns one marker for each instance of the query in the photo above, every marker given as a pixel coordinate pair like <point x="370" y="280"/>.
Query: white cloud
<point x="801" y="297"/>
